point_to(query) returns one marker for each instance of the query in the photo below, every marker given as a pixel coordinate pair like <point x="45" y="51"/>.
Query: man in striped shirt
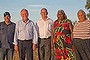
<point x="81" y="35"/>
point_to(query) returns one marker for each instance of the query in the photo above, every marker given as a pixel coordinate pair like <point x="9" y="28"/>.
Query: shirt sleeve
<point x="52" y="24"/>
<point x="16" y="35"/>
<point x="50" y="27"/>
<point x="35" y="34"/>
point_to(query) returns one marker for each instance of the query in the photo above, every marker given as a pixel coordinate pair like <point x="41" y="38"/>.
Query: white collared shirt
<point x="44" y="27"/>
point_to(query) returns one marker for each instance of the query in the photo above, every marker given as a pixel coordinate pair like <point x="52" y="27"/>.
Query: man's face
<point x="81" y="16"/>
<point x="7" y="18"/>
<point x="24" y="15"/>
<point x="43" y="13"/>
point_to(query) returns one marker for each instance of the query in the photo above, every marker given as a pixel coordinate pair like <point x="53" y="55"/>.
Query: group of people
<point x="67" y="42"/>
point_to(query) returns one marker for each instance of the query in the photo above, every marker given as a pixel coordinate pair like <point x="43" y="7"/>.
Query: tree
<point x="87" y="6"/>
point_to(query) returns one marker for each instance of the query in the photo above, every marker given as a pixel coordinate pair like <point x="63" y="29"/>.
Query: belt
<point x="25" y="40"/>
<point x="45" y="38"/>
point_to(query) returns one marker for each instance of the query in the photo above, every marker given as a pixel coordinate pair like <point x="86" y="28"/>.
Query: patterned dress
<point x="63" y="48"/>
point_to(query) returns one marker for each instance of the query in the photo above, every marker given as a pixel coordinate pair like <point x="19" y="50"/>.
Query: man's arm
<point x="16" y="37"/>
<point x="35" y="37"/>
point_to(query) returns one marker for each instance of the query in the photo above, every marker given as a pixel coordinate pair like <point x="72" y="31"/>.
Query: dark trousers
<point x="44" y="49"/>
<point x="8" y="53"/>
<point x="82" y="48"/>
<point x="25" y="49"/>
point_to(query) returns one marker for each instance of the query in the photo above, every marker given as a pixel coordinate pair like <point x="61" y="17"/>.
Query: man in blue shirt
<point x="26" y="36"/>
<point x="7" y="29"/>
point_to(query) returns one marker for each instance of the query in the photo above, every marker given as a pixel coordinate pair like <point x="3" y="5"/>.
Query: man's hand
<point x="16" y="48"/>
<point x="34" y="46"/>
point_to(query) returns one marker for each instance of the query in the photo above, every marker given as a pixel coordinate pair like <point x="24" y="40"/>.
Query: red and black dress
<point x="62" y="40"/>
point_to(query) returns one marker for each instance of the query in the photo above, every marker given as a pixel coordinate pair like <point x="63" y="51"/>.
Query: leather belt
<point x="45" y="38"/>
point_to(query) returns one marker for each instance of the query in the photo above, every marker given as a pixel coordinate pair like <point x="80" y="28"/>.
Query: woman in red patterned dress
<point x="62" y="36"/>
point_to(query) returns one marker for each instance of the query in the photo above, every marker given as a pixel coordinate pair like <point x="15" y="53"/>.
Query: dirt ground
<point x="35" y="55"/>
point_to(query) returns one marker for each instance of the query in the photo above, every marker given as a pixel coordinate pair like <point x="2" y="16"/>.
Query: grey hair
<point x="24" y="10"/>
<point x="44" y="9"/>
<point x="62" y="11"/>
<point x="81" y="11"/>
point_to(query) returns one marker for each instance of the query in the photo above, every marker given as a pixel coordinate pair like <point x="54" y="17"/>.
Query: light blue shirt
<point x="25" y="31"/>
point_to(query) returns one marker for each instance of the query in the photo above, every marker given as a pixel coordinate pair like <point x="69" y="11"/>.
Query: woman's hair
<point x="64" y="15"/>
<point x="82" y="12"/>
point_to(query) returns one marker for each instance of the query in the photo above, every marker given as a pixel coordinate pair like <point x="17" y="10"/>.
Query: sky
<point x="70" y="7"/>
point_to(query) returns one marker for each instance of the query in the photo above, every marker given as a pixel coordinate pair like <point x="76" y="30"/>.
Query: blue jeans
<point x="8" y="53"/>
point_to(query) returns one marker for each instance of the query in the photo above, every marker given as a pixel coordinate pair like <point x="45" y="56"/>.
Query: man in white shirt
<point x="25" y="38"/>
<point x="44" y="29"/>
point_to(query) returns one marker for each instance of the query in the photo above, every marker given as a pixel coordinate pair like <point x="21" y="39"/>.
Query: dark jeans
<point x="44" y="49"/>
<point x="25" y="49"/>
<point x="82" y="48"/>
<point x="8" y="53"/>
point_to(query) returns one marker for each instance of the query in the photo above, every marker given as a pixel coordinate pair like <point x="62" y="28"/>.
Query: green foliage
<point x="87" y="6"/>
<point x="88" y="15"/>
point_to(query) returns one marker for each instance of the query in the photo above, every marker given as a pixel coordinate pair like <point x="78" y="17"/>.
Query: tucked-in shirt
<point x="82" y="30"/>
<point x="7" y="35"/>
<point x="25" y="31"/>
<point x="44" y="27"/>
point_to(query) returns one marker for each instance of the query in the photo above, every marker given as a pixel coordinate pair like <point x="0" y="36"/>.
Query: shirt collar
<point x="46" y="19"/>
<point x="8" y="24"/>
<point x="26" y="22"/>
